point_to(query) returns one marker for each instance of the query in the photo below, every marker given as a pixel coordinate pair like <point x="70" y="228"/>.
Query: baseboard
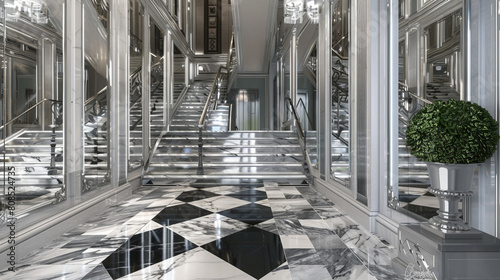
<point x="374" y="222"/>
<point x="387" y="229"/>
<point x="357" y="211"/>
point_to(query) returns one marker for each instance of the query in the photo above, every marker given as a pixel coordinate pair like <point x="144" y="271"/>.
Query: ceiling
<point x="254" y="23"/>
<point x="258" y="25"/>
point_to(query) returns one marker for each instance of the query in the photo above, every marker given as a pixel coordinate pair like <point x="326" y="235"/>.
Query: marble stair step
<point x="162" y="156"/>
<point x="156" y="178"/>
<point x="190" y="164"/>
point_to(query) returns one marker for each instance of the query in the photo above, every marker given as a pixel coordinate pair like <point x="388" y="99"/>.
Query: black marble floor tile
<point x="251" y="195"/>
<point x="253" y="250"/>
<point x="190" y="196"/>
<point x="145" y="249"/>
<point x="179" y="213"/>
<point x="98" y="273"/>
<point x="251" y="213"/>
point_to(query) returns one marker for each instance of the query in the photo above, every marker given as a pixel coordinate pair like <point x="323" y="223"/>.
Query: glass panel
<point x="95" y="130"/>
<point x="135" y="109"/>
<point x="439" y="81"/>
<point x="31" y="112"/>
<point x="96" y="113"/>
<point x="340" y="166"/>
<point x="156" y="104"/>
<point x="308" y="120"/>
<point x="179" y="73"/>
<point x="102" y="9"/>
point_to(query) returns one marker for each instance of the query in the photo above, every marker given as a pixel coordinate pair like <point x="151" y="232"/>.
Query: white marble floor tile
<point x="104" y="230"/>
<point x="219" y="203"/>
<point x="207" y="228"/>
<point x="48" y="272"/>
<point x="296" y="242"/>
<point x="280" y="273"/>
<point x="309" y="272"/>
<point x="192" y="265"/>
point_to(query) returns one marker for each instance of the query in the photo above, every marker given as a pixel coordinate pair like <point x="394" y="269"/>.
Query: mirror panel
<point x="156" y="95"/>
<point x="135" y="107"/>
<point x="340" y="110"/>
<point x="422" y="81"/>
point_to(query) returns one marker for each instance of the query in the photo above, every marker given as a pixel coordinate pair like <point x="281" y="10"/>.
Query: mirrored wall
<point x="96" y="113"/>
<point x="429" y="69"/>
<point x="31" y="109"/>
<point x="340" y="110"/>
<point x="156" y="120"/>
<point x="180" y="69"/>
<point x="136" y="88"/>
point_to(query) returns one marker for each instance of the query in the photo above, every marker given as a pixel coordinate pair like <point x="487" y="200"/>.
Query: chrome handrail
<point x="305" y="109"/>
<point x="179" y="100"/>
<point x="229" y="119"/>
<point x="28" y="110"/>
<point x="405" y="88"/>
<point x="201" y="122"/>
<point x="207" y="103"/>
<point x="297" y="120"/>
<point x="88" y="101"/>
<point x="229" y="55"/>
<point x="336" y="53"/>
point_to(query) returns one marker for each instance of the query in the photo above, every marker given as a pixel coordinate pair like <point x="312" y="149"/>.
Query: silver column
<point x="73" y="98"/>
<point x="293" y="67"/>
<point x="168" y="76"/>
<point x="146" y="86"/>
<point x="47" y="80"/>
<point x="324" y="82"/>
<point x="119" y="92"/>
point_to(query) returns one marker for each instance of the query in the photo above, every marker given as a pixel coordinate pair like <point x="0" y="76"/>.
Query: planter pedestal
<point x="428" y="253"/>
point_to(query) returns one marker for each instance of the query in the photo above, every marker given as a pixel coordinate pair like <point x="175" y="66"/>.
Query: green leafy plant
<point x="452" y="132"/>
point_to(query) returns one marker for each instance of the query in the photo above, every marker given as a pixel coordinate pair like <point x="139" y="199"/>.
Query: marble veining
<point x="210" y="229"/>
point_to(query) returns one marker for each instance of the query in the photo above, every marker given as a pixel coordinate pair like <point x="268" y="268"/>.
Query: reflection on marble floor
<point x="257" y="230"/>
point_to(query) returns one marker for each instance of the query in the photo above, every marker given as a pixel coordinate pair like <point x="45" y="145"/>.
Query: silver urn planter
<point x="450" y="183"/>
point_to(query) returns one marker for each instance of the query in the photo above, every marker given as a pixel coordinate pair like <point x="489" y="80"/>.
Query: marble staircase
<point x="225" y="154"/>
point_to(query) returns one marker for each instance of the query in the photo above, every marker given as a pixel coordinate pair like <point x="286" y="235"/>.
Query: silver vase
<point x="450" y="183"/>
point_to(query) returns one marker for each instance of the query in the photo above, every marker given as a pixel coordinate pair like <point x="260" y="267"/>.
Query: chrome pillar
<point x="465" y="89"/>
<point x="9" y="96"/>
<point x="293" y="67"/>
<point x="324" y="82"/>
<point x="146" y="86"/>
<point x="281" y="92"/>
<point x="47" y="77"/>
<point x="187" y="70"/>
<point x="118" y="93"/>
<point x="73" y="100"/>
<point x="168" y="76"/>
<point x="392" y="85"/>
<point x="482" y="27"/>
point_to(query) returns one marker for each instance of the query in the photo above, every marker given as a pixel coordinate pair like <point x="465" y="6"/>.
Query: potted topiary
<point x="453" y="138"/>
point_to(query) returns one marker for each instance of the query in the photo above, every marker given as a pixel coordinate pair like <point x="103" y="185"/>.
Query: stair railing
<point x="301" y="133"/>
<point x="210" y="105"/>
<point x="95" y="116"/>
<point x="339" y="94"/>
<point x="28" y="111"/>
<point x="407" y="107"/>
<point x="51" y="169"/>
<point x="232" y="63"/>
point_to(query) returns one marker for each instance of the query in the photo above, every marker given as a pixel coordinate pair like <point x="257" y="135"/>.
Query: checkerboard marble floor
<point x="215" y="230"/>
